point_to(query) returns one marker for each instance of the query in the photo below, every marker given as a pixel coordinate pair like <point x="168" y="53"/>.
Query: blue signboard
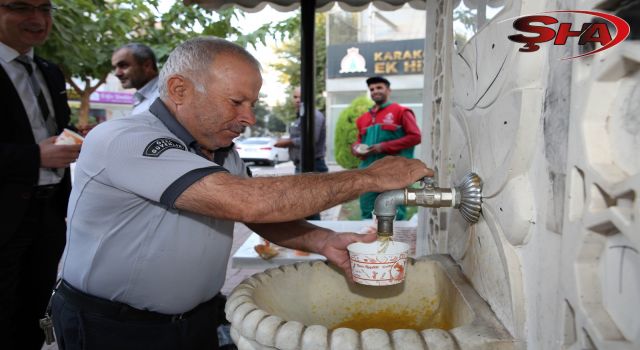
<point x="377" y="58"/>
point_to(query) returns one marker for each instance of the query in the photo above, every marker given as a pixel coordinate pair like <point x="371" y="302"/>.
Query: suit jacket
<point x="20" y="154"/>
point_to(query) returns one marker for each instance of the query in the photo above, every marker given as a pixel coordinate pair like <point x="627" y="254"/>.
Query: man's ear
<point x="178" y="89"/>
<point x="148" y="67"/>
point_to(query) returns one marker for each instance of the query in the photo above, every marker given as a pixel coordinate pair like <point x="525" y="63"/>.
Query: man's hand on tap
<point x="392" y="172"/>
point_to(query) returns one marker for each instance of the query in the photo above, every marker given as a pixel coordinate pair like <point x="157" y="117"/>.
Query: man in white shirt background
<point x="136" y="66"/>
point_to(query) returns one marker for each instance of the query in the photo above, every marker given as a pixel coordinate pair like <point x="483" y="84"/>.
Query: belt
<point x="121" y="311"/>
<point x="44" y="191"/>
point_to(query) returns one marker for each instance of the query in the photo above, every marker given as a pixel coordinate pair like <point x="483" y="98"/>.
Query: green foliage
<point x="285" y="111"/>
<point x="86" y="32"/>
<point x="467" y="17"/>
<point x="276" y="125"/>
<point x="289" y="64"/>
<point x="347" y="133"/>
<point x="263" y="118"/>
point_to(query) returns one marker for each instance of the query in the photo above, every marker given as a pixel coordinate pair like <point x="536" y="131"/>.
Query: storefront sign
<point x="112" y="97"/>
<point x="378" y="58"/>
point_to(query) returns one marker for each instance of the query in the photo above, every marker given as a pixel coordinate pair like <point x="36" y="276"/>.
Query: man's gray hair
<point x="193" y="58"/>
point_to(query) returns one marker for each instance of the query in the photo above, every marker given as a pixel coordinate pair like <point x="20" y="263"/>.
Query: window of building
<point x="373" y="24"/>
<point x="343" y="27"/>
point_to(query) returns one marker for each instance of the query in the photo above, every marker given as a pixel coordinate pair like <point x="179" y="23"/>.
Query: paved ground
<point x="242" y="232"/>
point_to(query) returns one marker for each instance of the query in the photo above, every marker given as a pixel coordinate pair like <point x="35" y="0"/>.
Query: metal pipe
<point x="385" y="210"/>
<point x="433" y="197"/>
<point x="467" y="197"/>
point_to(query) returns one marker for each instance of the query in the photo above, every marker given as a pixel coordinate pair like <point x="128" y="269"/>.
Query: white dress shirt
<point x="145" y="96"/>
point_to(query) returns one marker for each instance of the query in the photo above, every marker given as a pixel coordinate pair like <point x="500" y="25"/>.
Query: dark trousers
<point x="28" y="267"/>
<point x="319" y="166"/>
<point x="82" y="321"/>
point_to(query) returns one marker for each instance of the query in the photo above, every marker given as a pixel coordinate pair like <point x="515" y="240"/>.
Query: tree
<point x="467" y="18"/>
<point x="261" y="111"/>
<point x="347" y="133"/>
<point x="83" y="36"/>
<point x="86" y="32"/>
<point x="276" y="125"/>
<point x="289" y="66"/>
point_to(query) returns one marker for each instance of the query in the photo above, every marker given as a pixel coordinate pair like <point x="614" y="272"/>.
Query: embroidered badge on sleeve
<point x="157" y="146"/>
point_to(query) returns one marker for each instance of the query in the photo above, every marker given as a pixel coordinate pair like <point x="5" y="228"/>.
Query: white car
<point x="261" y="150"/>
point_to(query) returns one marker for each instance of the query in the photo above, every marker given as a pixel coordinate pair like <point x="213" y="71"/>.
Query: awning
<point x="321" y="5"/>
<point x="326" y="5"/>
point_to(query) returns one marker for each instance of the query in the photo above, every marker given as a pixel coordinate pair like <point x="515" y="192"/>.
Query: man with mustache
<point x="34" y="181"/>
<point x="386" y="129"/>
<point x="155" y="200"/>
<point x="135" y="65"/>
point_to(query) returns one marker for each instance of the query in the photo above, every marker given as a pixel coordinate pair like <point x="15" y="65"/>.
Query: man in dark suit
<point x="34" y="175"/>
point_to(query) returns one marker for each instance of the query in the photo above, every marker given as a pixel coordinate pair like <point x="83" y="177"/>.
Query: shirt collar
<point x="161" y="112"/>
<point x="147" y="90"/>
<point x="384" y="105"/>
<point x="8" y="54"/>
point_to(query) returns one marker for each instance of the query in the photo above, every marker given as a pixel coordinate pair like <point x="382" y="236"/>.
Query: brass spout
<point x="467" y="197"/>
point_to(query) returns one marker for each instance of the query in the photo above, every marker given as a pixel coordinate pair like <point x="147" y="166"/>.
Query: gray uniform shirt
<point x="125" y="240"/>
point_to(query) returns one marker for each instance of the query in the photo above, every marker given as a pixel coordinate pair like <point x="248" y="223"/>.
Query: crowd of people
<point x="136" y="250"/>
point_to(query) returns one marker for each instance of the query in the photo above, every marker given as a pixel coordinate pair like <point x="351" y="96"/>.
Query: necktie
<point x="35" y="85"/>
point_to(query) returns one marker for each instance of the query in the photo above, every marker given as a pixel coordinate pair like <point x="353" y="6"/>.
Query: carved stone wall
<point x="556" y="142"/>
<point x="600" y="277"/>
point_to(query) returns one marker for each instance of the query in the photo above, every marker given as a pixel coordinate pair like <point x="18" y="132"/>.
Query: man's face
<point x="221" y="113"/>
<point x="379" y="92"/>
<point x="128" y="70"/>
<point x="297" y="101"/>
<point x="22" y="28"/>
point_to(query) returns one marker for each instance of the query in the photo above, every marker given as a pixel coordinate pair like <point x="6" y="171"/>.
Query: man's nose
<point x="247" y="116"/>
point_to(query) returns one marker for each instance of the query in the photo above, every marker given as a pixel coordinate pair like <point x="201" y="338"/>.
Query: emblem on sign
<point x="353" y="62"/>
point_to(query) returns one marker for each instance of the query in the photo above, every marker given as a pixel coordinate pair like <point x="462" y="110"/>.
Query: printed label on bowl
<point x="372" y="268"/>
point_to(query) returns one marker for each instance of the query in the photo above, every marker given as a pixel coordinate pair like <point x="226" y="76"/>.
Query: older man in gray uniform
<point x="155" y="199"/>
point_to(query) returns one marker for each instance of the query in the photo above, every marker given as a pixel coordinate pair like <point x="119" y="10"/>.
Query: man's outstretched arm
<point x="287" y="198"/>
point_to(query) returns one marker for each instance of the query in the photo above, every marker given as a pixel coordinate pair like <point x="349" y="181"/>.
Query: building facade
<point x="373" y="42"/>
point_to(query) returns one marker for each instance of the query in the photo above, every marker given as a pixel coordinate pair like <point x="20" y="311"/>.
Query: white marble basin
<point x="311" y="306"/>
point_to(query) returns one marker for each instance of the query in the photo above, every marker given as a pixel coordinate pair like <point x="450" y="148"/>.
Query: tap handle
<point x="429" y="182"/>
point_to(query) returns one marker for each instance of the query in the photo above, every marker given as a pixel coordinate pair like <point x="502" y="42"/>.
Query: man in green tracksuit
<point x="386" y="129"/>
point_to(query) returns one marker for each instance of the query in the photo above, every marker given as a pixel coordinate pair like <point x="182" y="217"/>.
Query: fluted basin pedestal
<point x="311" y="306"/>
